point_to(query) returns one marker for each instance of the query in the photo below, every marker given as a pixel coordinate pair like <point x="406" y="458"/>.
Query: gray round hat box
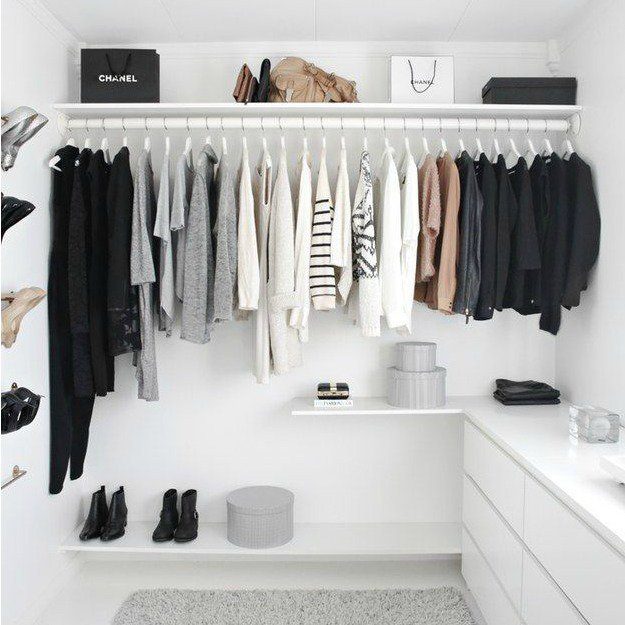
<point x="260" y="517"/>
<point x="415" y="356"/>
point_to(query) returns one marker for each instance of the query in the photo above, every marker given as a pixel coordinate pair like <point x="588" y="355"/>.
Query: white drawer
<point x="543" y="601"/>
<point x="490" y="598"/>
<point x="500" y="548"/>
<point x="501" y="480"/>
<point x="590" y="573"/>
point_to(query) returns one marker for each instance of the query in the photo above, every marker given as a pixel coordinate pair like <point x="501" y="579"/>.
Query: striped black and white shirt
<point x="322" y="277"/>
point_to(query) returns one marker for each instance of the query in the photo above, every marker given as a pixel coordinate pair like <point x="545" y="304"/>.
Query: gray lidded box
<point x="415" y="390"/>
<point x="415" y="356"/>
<point x="260" y="517"/>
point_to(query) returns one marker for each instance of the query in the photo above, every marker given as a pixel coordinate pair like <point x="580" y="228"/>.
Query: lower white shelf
<point x="312" y="541"/>
<point x="302" y="406"/>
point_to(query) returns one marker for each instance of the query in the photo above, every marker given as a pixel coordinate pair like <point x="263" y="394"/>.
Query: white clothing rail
<point x="459" y="124"/>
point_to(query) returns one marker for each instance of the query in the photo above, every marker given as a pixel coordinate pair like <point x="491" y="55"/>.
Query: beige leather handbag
<point x="295" y="80"/>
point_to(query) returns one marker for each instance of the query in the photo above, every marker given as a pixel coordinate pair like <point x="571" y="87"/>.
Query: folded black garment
<point x="525" y="401"/>
<point x="525" y="390"/>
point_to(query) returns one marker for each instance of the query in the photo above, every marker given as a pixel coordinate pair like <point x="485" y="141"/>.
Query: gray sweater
<point x="197" y="304"/>
<point x="143" y="275"/>
<point x="225" y="244"/>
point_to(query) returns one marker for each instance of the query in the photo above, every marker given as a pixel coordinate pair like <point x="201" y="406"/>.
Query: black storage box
<point x="544" y="90"/>
<point x="116" y="75"/>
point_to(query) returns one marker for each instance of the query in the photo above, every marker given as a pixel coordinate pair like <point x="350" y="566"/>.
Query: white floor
<point x="100" y="587"/>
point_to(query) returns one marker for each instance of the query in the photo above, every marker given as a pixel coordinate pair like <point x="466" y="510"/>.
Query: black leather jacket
<point x="468" y="272"/>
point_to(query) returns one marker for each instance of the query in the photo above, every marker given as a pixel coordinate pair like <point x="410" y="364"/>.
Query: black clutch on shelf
<point x="332" y="390"/>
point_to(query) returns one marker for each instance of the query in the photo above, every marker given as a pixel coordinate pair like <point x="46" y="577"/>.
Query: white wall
<point x="590" y="354"/>
<point x="36" y="71"/>
<point x="214" y="429"/>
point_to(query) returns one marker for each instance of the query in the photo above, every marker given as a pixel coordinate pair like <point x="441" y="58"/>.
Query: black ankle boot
<point x="98" y="513"/>
<point x="115" y="526"/>
<point x="169" y="517"/>
<point x="187" y="527"/>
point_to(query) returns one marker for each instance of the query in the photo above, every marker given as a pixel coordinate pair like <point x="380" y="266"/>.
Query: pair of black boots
<point x="181" y="528"/>
<point x="106" y="522"/>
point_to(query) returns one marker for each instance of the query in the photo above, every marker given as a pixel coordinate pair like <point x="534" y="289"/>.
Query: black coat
<point x="487" y="183"/>
<point x="584" y="230"/>
<point x="556" y="244"/>
<point x="524" y="247"/>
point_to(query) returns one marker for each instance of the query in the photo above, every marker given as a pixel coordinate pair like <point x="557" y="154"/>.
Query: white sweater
<point x="389" y="239"/>
<point x="285" y="345"/>
<point x="248" y="269"/>
<point x="364" y="299"/>
<point x="322" y="278"/>
<point x="410" y="227"/>
<point x="262" y="181"/>
<point x="303" y="232"/>
<point x="341" y="243"/>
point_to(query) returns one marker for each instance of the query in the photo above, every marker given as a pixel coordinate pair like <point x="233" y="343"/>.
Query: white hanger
<point x="406" y="140"/>
<point x="224" y="143"/>
<point x="87" y="145"/>
<point x="365" y="143"/>
<point x="188" y="145"/>
<point x="167" y="142"/>
<point x="208" y="136"/>
<point x="147" y="144"/>
<point x="530" y="146"/>
<point x="496" y="150"/>
<point x="547" y="149"/>
<point x="478" y="144"/>
<point x="125" y="139"/>
<point x="323" y="135"/>
<point x="443" y="142"/>
<point x="461" y="147"/>
<point x="387" y="145"/>
<point x="567" y="148"/>
<point x="513" y="149"/>
<point x="282" y="140"/>
<point x="305" y="137"/>
<point x="56" y="158"/>
<point x="342" y="136"/>
<point x="262" y="127"/>
<point x="104" y="144"/>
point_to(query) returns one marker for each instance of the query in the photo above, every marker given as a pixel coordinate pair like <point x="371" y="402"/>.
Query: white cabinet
<point x="501" y="480"/>
<point x="590" y="572"/>
<point x="525" y="554"/>
<point x="490" y="598"/>
<point x="543" y="602"/>
<point x="501" y="549"/>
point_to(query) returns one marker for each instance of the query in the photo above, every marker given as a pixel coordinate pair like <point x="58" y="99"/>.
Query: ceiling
<point x="171" y="21"/>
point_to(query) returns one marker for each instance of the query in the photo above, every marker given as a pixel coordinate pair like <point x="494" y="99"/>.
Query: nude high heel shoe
<point x="12" y="314"/>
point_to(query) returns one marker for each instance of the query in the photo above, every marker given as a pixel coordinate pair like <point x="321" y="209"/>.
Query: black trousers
<point x="70" y="416"/>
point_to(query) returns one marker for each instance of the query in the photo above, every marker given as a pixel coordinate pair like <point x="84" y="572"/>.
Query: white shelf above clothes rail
<point x="311" y="541"/>
<point x="376" y="115"/>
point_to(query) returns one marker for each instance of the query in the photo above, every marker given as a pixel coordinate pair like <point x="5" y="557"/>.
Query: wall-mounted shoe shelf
<point x="312" y="541"/>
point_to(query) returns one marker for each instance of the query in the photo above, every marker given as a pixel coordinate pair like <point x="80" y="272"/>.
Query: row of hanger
<point x="513" y="152"/>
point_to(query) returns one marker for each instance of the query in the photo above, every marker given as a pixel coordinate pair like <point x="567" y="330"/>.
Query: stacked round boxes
<point x="416" y="381"/>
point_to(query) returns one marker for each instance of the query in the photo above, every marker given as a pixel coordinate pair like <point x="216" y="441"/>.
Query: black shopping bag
<point x="116" y="75"/>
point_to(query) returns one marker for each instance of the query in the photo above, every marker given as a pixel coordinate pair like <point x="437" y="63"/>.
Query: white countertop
<point x="537" y="438"/>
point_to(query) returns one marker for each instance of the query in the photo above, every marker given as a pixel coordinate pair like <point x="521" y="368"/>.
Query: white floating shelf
<point x="312" y="541"/>
<point x="304" y="406"/>
<point x="357" y="109"/>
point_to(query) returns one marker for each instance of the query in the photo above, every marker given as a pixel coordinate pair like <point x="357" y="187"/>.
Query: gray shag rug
<point x="435" y="606"/>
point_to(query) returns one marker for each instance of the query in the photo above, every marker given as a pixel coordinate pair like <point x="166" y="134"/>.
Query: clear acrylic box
<point x="593" y="424"/>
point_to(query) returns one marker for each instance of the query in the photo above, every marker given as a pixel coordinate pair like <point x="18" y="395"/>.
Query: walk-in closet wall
<point x="215" y="429"/>
<point x="37" y="70"/>
<point x="590" y="349"/>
